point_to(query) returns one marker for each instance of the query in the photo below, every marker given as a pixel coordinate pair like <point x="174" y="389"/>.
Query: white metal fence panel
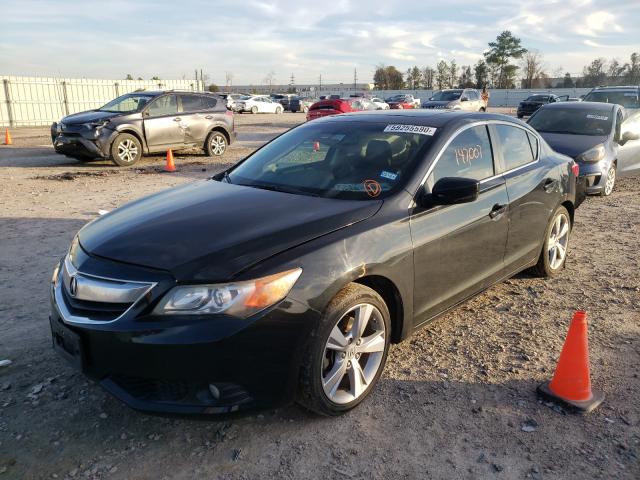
<point x="36" y="101"/>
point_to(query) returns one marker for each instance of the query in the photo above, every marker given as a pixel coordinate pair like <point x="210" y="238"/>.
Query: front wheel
<point x="278" y="111"/>
<point x="347" y="352"/>
<point x="609" y="182"/>
<point x="556" y="244"/>
<point x="254" y="110"/>
<point x="216" y="144"/>
<point x="126" y="150"/>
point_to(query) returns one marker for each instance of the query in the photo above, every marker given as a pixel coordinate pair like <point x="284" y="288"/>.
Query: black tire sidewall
<point x="114" y="149"/>
<point x="313" y="396"/>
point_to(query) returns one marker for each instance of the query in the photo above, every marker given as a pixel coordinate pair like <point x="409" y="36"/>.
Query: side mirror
<point x="628" y="136"/>
<point x="453" y="190"/>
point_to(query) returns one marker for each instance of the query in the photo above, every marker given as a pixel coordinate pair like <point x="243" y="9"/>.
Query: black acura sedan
<point x="288" y="275"/>
<point x="532" y="103"/>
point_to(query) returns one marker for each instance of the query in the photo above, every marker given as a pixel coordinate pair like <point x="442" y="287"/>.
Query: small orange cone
<point x="571" y="383"/>
<point x="7" y="137"/>
<point x="170" y="167"/>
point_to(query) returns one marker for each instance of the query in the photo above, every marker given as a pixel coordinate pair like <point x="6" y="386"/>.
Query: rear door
<point x="629" y="153"/>
<point x="459" y="249"/>
<point x="163" y="124"/>
<point x="534" y="191"/>
<point x="197" y="116"/>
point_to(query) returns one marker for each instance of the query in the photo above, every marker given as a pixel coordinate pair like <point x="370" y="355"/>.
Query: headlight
<point x="594" y="154"/>
<point x="239" y="299"/>
<point x="92" y="125"/>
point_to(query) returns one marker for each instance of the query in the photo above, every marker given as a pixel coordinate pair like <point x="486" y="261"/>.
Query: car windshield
<point x="538" y="98"/>
<point x="444" y="96"/>
<point x="345" y="160"/>
<point x="572" y="121"/>
<point x="245" y="97"/>
<point x="129" y="103"/>
<point x="627" y="99"/>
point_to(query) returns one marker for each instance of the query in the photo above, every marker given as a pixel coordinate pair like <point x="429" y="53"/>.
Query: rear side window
<point x="209" y="103"/>
<point x="515" y="146"/>
<point x="469" y="155"/>
<point x="191" y="103"/>
<point x="533" y="141"/>
<point x="165" y="105"/>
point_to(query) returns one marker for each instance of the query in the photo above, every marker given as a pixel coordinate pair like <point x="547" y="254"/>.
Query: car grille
<point x="83" y="298"/>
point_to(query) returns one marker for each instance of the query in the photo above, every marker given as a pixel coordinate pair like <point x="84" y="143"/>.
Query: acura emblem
<point x="73" y="286"/>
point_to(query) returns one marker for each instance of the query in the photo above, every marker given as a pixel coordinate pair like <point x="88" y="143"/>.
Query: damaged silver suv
<point x="146" y="122"/>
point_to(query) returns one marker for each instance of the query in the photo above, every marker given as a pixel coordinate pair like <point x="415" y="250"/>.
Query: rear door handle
<point x="497" y="210"/>
<point x="209" y="117"/>
<point x="549" y="184"/>
<point x="177" y="119"/>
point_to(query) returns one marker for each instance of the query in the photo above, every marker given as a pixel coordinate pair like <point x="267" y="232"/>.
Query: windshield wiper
<point x="284" y="189"/>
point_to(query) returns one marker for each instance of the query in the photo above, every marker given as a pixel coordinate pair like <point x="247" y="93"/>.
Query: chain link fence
<point x="37" y="101"/>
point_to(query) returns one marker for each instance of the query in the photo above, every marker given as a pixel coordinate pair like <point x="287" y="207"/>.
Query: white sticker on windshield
<point x="419" y="129"/>
<point x="597" y="117"/>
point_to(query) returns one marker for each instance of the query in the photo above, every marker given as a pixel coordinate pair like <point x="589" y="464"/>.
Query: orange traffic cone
<point x="7" y="137"/>
<point x="170" y="167"/>
<point x="571" y="383"/>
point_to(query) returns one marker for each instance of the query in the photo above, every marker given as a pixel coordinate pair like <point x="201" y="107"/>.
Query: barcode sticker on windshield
<point x="597" y="117"/>
<point x="419" y="129"/>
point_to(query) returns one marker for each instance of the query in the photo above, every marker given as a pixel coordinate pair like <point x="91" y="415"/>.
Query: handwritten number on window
<point x="465" y="155"/>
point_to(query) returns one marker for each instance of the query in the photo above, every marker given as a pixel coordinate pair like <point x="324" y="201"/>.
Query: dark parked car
<point x="283" y="99"/>
<point x="288" y="275"/>
<point x="591" y="134"/>
<point x="301" y="104"/>
<point x="534" y="102"/>
<point x="146" y="122"/>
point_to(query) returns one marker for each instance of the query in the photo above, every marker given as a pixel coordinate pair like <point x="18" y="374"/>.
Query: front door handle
<point x="497" y="210"/>
<point x="177" y="119"/>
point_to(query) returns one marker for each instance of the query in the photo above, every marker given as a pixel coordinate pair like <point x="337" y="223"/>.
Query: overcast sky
<point x="110" y="38"/>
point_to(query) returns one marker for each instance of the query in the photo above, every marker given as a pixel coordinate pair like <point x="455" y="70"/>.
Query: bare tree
<point x="270" y="79"/>
<point x="532" y="67"/>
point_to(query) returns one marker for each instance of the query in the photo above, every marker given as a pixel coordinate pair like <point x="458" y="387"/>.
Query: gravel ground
<point x="457" y="400"/>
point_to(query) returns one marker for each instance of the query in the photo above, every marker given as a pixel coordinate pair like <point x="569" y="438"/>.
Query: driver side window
<point x="469" y="155"/>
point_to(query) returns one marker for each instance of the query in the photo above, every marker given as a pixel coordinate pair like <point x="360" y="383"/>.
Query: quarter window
<point x="515" y="146"/>
<point x="166" y="105"/>
<point x="469" y="155"/>
<point x="192" y="103"/>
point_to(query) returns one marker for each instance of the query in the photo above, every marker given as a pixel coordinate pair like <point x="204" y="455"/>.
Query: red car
<point x="325" y="108"/>
<point x="401" y="101"/>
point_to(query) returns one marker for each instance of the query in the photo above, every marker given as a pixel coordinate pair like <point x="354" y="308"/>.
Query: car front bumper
<point x="80" y="142"/>
<point x="199" y="365"/>
<point x="594" y="176"/>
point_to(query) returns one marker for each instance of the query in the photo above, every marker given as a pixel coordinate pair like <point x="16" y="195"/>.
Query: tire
<point x="254" y="110"/>
<point x="545" y="267"/>
<point x="216" y="144"/>
<point x="321" y="359"/>
<point x="609" y="182"/>
<point x="482" y="109"/>
<point x="126" y="150"/>
<point x="278" y="111"/>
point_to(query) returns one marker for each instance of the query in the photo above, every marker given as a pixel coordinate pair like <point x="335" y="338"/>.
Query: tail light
<point x="575" y="168"/>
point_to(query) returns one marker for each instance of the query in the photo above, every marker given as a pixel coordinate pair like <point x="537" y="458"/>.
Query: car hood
<point x="90" y="116"/>
<point x="210" y="231"/>
<point x="572" y="145"/>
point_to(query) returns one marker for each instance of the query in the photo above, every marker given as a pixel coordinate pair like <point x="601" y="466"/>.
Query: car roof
<point x="619" y="87"/>
<point x="427" y="118"/>
<point x="591" y="106"/>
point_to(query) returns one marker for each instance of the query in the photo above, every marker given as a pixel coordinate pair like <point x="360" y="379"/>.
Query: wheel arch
<point x="221" y="129"/>
<point x="130" y="131"/>
<point x="570" y="208"/>
<point x="391" y="296"/>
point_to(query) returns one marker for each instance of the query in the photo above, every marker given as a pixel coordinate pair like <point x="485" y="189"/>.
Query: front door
<point x="459" y="249"/>
<point x="163" y="126"/>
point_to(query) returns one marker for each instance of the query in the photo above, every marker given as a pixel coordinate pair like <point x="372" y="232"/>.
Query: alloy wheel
<point x="558" y="240"/>
<point x="127" y="150"/>
<point x="218" y="144"/>
<point x="353" y="353"/>
<point x="610" y="181"/>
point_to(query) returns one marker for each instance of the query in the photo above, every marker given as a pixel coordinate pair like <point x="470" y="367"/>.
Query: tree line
<point x="502" y="63"/>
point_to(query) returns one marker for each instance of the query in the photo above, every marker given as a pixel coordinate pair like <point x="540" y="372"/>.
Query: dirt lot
<point x="452" y="402"/>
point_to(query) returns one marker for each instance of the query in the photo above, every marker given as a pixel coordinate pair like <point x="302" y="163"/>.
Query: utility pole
<point x="320" y="87"/>
<point x="355" y="80"/>
<point x="292" y="83"/>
